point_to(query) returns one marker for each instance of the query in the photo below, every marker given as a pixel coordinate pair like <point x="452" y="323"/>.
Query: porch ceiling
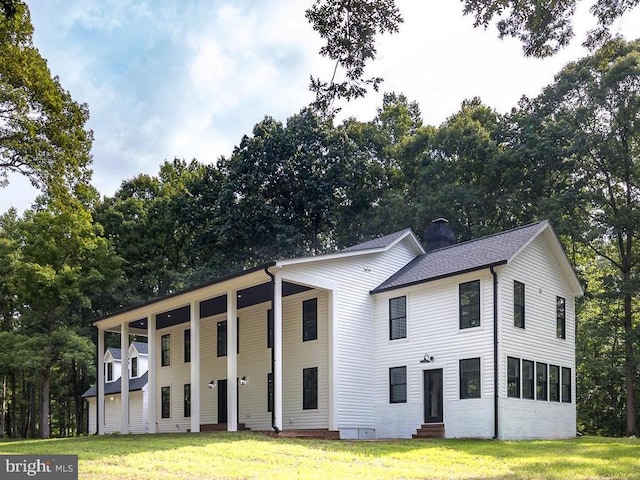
<point x="215" y="306"/>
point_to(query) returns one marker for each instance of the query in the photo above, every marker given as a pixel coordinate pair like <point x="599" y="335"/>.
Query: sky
<point x="188" y="78"/>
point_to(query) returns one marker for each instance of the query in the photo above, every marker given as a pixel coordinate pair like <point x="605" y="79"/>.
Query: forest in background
<point x="311" y="186"/>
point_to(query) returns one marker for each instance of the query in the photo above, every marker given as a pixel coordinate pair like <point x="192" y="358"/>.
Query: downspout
<point x="273" y="360"/>
<point x="495" y="352"/>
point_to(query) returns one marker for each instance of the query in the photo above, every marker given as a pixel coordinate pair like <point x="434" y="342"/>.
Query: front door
<point x="222" y="401"/>
<point x="433" y="396"/>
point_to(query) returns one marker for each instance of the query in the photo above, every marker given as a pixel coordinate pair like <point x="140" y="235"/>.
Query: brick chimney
<point x="438" y="235"/>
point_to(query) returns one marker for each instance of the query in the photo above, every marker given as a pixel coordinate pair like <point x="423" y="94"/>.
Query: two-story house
<point x="389" y="338"/>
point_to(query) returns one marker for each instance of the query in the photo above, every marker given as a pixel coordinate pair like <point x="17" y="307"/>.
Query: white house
<point x="385" y="339"/>
<point x="138" y="365"/>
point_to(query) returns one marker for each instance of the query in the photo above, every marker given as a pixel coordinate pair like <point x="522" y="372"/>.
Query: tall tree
<point x="42" y="129"/>
<point x="63" y="262"/>
<point x="350" y="29"/>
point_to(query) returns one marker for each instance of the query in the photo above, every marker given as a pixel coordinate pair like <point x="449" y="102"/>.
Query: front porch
<point x="248" y="327"/>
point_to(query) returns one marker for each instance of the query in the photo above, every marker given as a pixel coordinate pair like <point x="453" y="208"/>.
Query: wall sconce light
<point x="112" y="399"/>
<point x="426" y="359"/>
<point x="211" y="385"/>
<point x="243" y="381"/>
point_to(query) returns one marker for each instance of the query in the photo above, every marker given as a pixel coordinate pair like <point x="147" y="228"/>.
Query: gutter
<point x="495" y="352"/>
<point x="273" y="359"/>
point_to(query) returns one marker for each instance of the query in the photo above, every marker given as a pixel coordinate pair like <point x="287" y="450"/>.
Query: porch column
<point x="124" y="378"/>
<point x="151" y="375"/>
<point x="195" y="366"/>
<point x="100" y="384"/>
<point x="333" y="379"/>
<point x="232" y="361"/>
<point x="277" y="350"/>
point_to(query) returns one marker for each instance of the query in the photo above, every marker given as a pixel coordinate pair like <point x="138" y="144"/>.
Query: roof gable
<point x="141" y="348"/>
<point x="376" y="245"/>
<point x="486" y="252"/>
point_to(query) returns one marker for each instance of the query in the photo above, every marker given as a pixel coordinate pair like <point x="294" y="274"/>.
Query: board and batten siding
<point x="433" y="328"/>
<point x="354" y="277"/>
<point x="544" y="280"/>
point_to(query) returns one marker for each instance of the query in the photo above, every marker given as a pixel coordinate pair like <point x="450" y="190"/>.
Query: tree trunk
<point x="45" y="428"/>
<point x="630" y="366"/>
<point x="4" y="405"/>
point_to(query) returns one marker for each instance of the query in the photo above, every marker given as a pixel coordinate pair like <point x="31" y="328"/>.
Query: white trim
<point x="232" y="361"/>
<point x="195" y="365"/>
<point x="151" y="375"/>
<point x="100" y="383"/>
<point x="333" y="362"/>
<point x="277" y="350"/>
<point x="124" y="378"/>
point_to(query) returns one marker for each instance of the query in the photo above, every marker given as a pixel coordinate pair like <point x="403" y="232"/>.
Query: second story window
<point x="310" y="320"/>
<point x="518" y="304"/>
<point x="165" y="347"/>
<point x="397" y="318"/>
<point x="134" y="367"/>
<point x="110" y="372"/>
<point x="187" y="345"/>
<point x="222" y="339"/>
<point x="469" y="295"/>
<point x="561" y="317"/>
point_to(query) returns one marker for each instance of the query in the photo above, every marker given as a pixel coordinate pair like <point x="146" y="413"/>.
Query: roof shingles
<point x="463" y="257"/>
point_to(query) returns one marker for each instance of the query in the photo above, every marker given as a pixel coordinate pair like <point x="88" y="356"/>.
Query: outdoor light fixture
<point x="426" y="359"/>
<point x="243" y="381"/>
<point x="211" y="385"/>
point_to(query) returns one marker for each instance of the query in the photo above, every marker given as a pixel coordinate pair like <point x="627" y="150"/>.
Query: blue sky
<point x="189" y="78"/>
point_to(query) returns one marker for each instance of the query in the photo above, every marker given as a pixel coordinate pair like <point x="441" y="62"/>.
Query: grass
<point x="253" y="456"/>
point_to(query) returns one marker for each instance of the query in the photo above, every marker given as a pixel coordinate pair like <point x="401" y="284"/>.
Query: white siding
<point x="433" y="327"/>
<point x="354" y="277"/>
<point x="176" y="375"/>
<point x="544" y="281"/>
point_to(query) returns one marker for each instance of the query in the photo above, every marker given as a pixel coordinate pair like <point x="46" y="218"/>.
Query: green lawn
<point x="247" y="455"/>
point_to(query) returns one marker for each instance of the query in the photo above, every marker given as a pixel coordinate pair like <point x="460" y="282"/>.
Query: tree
<point x="590" y="119"/>
<point x="42" y="132"/>
<point x="63" y="263"/>
<point x="350" y="28"/>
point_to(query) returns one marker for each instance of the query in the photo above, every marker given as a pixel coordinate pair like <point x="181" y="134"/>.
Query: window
<point x="470" y="304"/>
<point x="187" y="400"/>
<point x="270" y="392"/>
<point x="187" y="345"/>
<point x="110" y="372"/>
<point x="398" y="385"/>
<point x="165" y="346"/>
<point x="513" y="377"/>
<point x="561" y="318"/>
<point x="527" y="379"/>
<point x="166" y="402"/>
<point x="310" y="388"/>
<point x="554" y="383"/>
<point x="270" y="328"/>
<point x="566" y="385"/>
<point x="518" y="304"/>
<point x="397" y="318"/>
<point x="238" y="335"/>
<point x="470" y="378"/>
<point x="541" y="381"/>
<point x="222" y="339"/>
<point x="310" y="320"/>
<point x="134" y="367"/>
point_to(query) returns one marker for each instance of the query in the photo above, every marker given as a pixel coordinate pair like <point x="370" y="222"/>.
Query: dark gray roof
<point x="380" y="242"/>
<point x="463" y="257"/>
<point x="116" y="353"/>
<point x="111" y="388"/>
<point x="142" y="347"/>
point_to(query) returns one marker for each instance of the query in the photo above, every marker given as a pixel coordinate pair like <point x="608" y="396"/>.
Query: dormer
<point x="138" y="359"/>
<point x="112" y="365"/>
